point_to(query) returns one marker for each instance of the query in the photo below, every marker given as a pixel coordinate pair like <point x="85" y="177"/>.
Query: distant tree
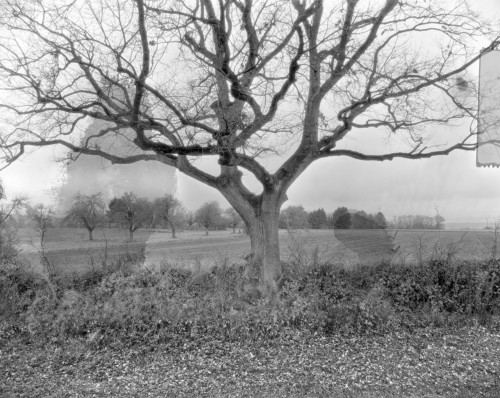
<point x="341" y="218"/>
<point x="208" y="215"/>
<point x="147" y="213"/>
<point x="438" y="218"/>
<point x="439" y="221"/>
<point x="43" y="217"/>
<point x="317" y="219"/>
<point x="169" y="210"/>
<point x="363" y="220"/>
<point x="233" y="218"/>
<point x="294" y="217"/>
<point x="190" y="219"/>
<point x="380" y="220"/>
<point x="133" y="211"/>
<point x="418" y="222"/>
<point x="357" y="221"/>
<point x="88" y="209"/>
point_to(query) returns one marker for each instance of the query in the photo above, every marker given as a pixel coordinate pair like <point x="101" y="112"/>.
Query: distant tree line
<point x="417" y="222"/>
<point x="132" y="213"/>
<point x="296" y="217"/>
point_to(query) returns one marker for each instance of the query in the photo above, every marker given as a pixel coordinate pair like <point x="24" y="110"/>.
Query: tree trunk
<point x="90" y="233"/>
<point x="172" y="226"/>
<point x="131" y="234"/>
<point x="260" y="214"/>
<point x="263" y="230"/>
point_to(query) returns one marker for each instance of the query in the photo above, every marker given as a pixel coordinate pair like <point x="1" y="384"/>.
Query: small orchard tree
<point x="169" y="210"/>
<point x="43" y="218"/>
<point x="89" y="210"/>
<point x="297" y="78"/>
<point x="190" y="219"/>
<point x="131" y="210"/>
<point x="233" y="218"/>
<point x="208" y="215"/>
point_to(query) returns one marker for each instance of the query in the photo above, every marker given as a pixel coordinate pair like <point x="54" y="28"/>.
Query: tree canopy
<point x="89" y="210"/>
<point x="134" y="212"/>
<point x="208" y="215"/>
<point x="170" y="210"/>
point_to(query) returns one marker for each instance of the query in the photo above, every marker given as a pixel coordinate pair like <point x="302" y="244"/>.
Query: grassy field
<point x="69" y="250"/>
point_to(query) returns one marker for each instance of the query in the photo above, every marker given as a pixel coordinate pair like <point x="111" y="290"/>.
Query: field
<point x="69" y="250"/>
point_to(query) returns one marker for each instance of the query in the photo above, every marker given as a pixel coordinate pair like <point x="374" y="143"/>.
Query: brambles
<point x="175" y="304"/>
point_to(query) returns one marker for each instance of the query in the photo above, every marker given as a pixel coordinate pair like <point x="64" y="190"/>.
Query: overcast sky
<point x="461" y="191"/>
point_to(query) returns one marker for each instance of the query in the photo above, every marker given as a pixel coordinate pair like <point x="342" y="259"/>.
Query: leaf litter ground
<point x="426" y="363"/>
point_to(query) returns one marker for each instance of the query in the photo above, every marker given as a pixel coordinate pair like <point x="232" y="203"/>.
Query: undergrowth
<point x="119" y="305"/>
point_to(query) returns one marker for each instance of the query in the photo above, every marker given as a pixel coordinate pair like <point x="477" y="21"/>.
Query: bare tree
<point x="133" y="211"/>
<point x="208" y="215"/>
<point x="88" y="209"/>
<point x="43" y="218"/>
<point x="233" y="218"/>
<point x="169" y="209"/>
<point x="294" y="217"/>
<point x="237" y="80"/>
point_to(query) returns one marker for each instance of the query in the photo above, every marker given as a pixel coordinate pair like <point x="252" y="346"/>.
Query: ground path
<point x="463" y="363"/>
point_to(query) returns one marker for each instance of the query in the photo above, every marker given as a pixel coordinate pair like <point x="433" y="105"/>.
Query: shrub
<point x="18" y="288"/>
<point x="178" y="304"/>
<point x="453" y="287"/>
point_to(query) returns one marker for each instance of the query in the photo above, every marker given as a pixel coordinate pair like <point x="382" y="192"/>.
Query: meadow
<point x="69" y="250"/>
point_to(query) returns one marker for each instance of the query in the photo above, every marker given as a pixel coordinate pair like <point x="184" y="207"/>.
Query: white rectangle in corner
<point x="488" y="151"/>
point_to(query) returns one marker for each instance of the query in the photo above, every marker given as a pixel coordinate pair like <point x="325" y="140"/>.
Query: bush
<point x="18" y="289"/>
<point x="453" y="287"/>
<point x="8" y="247"/>
<point x="176" y="304"/>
